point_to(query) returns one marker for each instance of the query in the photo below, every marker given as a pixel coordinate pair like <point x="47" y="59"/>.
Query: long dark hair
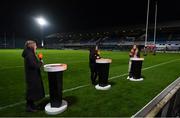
<point x="139" y="50"/>
<point x="92" y="50"/>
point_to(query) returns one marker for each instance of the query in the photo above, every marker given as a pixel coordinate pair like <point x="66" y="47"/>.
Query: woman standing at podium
<point x="93" y="55"/>
<point x="134" y="53"/>
<point x="34" y="85"/>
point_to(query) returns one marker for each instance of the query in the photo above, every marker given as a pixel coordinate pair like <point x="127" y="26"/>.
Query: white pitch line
<point x="160" y="64"/>
<point x="125" y="74"/>
<point x="22" y="102"/>
<point x="82" y="86"/>
<point x="118" y="76"/>
<point x="78" y="87"/>
<point x="73" y="62"/>
<point x="3" y="68"/>
<point x="12" y="105"/>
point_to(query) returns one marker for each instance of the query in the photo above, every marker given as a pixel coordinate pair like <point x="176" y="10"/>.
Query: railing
<point x="165" y="104"/>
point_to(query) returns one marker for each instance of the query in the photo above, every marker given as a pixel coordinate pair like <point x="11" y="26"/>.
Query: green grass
<point x="125" y="97"/>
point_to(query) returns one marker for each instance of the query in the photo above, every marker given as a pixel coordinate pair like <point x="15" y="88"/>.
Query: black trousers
<point x="93" y="68"/>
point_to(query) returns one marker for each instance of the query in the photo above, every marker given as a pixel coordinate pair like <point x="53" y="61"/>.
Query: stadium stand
<point x="168" y="38"/>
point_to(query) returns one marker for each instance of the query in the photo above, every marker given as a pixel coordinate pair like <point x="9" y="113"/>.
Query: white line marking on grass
<point x="160" y="64"/>
<point x="71" y="89"/>
<point x="12" y="67"/>
<point x="118" y="76"/>
<point x="22" y="102"/>
<point x="83" y="86"/>
<point x="12" y="105"/>
<point x="3" y="68"/>
<point x="78" y="87"/>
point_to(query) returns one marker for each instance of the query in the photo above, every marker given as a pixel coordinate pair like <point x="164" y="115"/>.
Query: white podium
<point x="55" y="77"/>
<point x="103" y="74"/>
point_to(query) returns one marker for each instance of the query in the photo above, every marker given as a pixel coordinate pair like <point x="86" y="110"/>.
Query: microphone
<point x="40" y="56"/>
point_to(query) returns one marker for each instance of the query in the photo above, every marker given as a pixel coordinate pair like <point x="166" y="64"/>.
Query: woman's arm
<point x="32" y="62"/>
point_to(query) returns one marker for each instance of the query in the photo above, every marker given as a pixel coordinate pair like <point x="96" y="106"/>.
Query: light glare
<point x="41" y="21"/>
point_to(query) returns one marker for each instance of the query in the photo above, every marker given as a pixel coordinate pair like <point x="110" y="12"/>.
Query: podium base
<point x="53" y="110"/>
<point x="128" y="77"/>
<point x="132" y="79"/>
<point x="102" y="88"/>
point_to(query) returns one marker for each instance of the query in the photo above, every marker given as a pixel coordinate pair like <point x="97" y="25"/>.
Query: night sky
<point x="80" y="15"/>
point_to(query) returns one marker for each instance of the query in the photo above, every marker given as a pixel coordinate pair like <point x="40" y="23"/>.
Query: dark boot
<point x="93" y="81"/>
<point x="30" y="107"/>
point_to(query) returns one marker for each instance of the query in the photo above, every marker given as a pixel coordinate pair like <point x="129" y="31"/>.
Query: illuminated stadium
<point x="93" y="59"/>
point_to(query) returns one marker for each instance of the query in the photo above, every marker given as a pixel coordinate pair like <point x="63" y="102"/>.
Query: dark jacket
<point x="34" y="85"/>
<point x="93" y="55"/>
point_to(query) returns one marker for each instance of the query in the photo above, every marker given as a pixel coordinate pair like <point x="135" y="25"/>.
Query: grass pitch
<point x="125" y="97"/>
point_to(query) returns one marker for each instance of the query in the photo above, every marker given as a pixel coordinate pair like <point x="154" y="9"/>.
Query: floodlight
<point x="41" y="21"/>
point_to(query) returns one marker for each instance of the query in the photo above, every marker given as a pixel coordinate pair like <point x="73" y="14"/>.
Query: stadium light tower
<point x="42" y="22"/>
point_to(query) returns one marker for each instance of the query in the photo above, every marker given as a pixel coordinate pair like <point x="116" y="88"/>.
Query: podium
<point x="136" y="66"/>
<point x="103" y="74"/>
<point x="55" y="78"/>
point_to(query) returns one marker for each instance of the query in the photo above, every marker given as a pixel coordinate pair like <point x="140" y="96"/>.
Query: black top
<point x="93" y="55"/>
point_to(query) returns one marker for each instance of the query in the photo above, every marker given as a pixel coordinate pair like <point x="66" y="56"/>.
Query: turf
<point x="125" y="97"/>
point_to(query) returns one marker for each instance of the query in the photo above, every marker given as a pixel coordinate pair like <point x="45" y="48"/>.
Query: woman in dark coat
<point x="34" y="85"/>
<point x="93" y="55"/>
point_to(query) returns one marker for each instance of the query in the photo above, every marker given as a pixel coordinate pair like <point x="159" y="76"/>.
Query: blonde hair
<point x="30" y="44"/>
